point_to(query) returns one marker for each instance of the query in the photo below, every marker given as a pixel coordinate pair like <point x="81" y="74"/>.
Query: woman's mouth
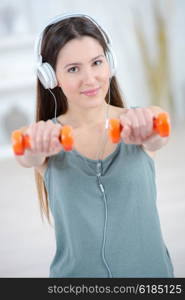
<point x="91" y="92"/>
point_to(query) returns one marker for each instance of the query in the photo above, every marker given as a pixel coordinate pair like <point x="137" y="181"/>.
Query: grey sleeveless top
<point x="105" y="215"/>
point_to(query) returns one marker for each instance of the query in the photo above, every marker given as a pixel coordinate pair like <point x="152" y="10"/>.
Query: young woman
<point x="102" y="195"/>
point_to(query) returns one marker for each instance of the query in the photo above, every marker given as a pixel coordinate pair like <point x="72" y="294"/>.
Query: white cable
<point x="106" y="127"/>
<point x="55" y="104"/>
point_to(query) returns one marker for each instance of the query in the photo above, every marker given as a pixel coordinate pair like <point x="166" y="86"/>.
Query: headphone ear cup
<point x="46" y="75"/>
<point x="112" y="62"/>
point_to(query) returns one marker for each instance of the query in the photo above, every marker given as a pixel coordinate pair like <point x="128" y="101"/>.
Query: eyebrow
<point x="77" y="63"/>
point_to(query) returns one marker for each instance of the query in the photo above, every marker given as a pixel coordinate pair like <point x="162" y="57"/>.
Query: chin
<point x="94" y="102"/>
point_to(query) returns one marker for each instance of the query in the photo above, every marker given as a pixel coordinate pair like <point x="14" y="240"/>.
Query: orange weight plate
<point x="67" y="137"/>
<point x="115" y="130"/>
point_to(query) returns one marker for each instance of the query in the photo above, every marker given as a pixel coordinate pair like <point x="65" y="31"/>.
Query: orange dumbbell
<point x="21" y="142"/>
<point x="161" y="125"/>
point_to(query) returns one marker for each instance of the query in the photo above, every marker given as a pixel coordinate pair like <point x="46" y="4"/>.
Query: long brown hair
<point x="54" y="37"/>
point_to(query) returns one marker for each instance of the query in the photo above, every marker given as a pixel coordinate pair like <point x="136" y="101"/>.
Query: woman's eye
<point x="72" y="70"/>
<point x="75" y="69"/>
<point x="98" y="62"/>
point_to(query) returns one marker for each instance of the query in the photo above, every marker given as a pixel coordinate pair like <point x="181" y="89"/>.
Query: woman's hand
<point x="138" y="127"/>
<point x="44" y="138"/>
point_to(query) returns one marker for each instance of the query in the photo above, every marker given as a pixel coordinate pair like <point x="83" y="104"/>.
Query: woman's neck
<point x="87" y="118"/>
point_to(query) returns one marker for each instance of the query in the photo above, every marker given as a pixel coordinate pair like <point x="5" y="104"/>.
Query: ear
<point x="58" y="83"/>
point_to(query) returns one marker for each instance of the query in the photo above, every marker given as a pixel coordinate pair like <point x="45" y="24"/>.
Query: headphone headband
<point x="45" y="71"/>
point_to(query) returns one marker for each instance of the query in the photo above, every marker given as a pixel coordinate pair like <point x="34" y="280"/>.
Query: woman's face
<point x="81" y="67"/>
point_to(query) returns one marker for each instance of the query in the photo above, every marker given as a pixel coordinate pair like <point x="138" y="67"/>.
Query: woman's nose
<point x="89" y="76"/>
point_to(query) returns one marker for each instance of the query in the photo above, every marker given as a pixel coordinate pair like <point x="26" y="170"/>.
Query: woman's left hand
<point x="137" y="125"/>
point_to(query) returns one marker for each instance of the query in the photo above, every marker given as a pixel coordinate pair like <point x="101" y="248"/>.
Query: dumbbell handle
<point x="21" y="142"/>
<point x="161" y="125"/>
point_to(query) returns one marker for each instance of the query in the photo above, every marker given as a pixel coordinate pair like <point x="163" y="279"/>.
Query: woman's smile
<point x="91" y="92"/>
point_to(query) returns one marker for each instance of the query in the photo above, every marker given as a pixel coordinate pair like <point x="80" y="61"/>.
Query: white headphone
<point x="45" y="71"/>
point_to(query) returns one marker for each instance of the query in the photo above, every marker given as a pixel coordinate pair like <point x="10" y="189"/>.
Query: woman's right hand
<point x="44" y="138"/>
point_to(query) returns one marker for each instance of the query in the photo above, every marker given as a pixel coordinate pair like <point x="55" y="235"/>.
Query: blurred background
<point x="148" y="39"/>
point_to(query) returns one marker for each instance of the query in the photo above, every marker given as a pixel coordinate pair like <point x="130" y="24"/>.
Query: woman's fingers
<point x="149" y="116"/>
<point x="31" y="132"/>
<point x="54" y="138"/>
<point x="137" y="125"/>
<point x="44" y="137"/>
<point x="126" y="131"/>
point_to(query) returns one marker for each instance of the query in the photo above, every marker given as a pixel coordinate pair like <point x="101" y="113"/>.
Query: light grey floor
<point x="27" y="245"/>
